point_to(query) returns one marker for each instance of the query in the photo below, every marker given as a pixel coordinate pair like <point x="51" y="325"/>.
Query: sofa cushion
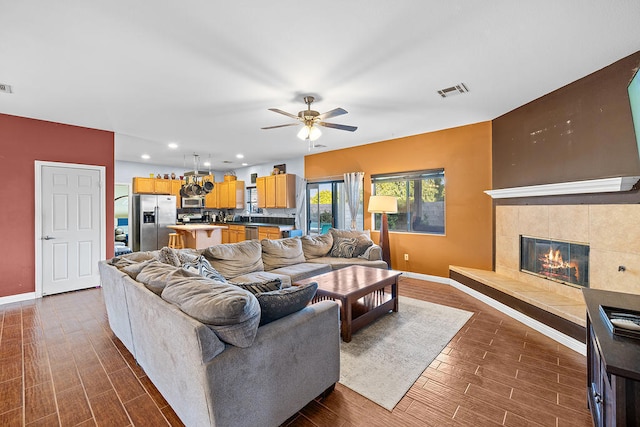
<point x="337" y="263"/>
<point x="277" y="304"/>
<point x="344" y="247"/>
<point x="203" y="268"/>
<point x="363" y="238"/>
<point x="302" y="271"/>
<point x="235" y="259"/>
<point x="155" y="275"/>
<point x="261" y="277"/>
<point x="316" y="246"/>
<point x="281" y="252"/>
<point x="232" y="313"/>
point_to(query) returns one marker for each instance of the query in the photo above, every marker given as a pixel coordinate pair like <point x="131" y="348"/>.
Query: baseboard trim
<point x="17" y="298"/>
<point x="554" y="334"/>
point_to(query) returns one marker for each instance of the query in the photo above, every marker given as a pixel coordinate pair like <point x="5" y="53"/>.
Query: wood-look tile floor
<point x="60" y="365"/>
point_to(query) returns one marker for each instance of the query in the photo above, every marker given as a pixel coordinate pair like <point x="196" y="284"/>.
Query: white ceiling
<point x="202" y="73"/>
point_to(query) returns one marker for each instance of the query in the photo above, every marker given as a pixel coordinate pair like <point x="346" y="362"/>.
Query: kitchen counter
<point x="199" y="236"/>
<point x="282" y="227"/>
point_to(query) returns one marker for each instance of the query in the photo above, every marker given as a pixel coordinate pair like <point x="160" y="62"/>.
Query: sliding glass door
<point x="326" y="207"/>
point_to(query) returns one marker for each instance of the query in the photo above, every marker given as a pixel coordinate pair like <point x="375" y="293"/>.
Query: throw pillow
<point x="363" y="238"/>
<point x="277" y="304"/>
<point x="257" y="287"/>
<point x="316" y="246"/>
<point x="344" y="247"/>
<point x="281" y="252"/>
<point x="202" y="267"/>
<point x="231" y="313"/>
<point x="235" y="259"/>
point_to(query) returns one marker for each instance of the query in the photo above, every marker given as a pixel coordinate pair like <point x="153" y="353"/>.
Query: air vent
<point x="5" y="88"/>
<point x="453" y="90"/>
<point x="227" y="161"/>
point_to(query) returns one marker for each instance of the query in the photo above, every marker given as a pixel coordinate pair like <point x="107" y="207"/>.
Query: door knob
<point x="48" y="238"/>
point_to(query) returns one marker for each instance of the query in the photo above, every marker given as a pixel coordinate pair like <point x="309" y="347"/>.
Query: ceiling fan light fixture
<point x="309" y="132"/>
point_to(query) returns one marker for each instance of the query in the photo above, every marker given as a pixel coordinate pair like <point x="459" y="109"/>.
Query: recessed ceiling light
<point x="239" y="156"/>
<point x="245" y="164"/>
<point x="173" y="145"/>
<point x="146" y="156"/>
<point x="207" y="163"/>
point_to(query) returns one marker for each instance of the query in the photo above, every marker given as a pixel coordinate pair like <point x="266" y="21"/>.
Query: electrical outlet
<point x="406" y="257"/>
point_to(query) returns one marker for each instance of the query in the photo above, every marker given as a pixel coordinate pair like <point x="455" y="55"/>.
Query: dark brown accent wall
<point x="578" y="132"/>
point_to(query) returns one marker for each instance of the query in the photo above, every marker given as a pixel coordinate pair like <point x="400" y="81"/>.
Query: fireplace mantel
<point x="603" y="185"/>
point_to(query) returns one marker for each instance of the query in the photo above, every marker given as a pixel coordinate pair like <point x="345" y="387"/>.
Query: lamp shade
<point x="383" y="204"/>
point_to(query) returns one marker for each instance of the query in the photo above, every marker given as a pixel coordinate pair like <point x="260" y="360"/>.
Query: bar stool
<point x="175" y="241"/>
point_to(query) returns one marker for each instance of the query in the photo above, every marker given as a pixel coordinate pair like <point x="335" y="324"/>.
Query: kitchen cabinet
<point x="152" y="185"/>
<point x="175" y="191"/>
<point x="236" y="233"/>
<point x="613" y="368"/>
<point x="285" y="190"/>
<point x="225" y="235"/>
<point x="276" y="191"/>
<point x="269" y="233"/>
<point x="211" y="199"/>
<point x="230" y="194"/>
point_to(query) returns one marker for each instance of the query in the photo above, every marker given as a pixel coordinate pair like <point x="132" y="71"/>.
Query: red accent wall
<point x="22" y="142"/>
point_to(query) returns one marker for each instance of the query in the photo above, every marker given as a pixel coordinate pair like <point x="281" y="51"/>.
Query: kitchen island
<point x="199" y="236"/>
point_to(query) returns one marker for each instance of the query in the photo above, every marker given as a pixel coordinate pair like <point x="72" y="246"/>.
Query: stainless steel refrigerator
<point x="150" y="215"/>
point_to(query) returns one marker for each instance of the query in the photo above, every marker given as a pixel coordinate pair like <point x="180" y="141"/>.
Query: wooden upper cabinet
<point x="223" y="195"/>
<point x="276" y="191"/>
<point x="261" y="191"/>
<point x="270" y="191"/>
<point x="152" y="185"/>
<point x="230" y="194"/>
<point x="211" y="199"/>
<point x="285" y="190"/>
<point x="163" y="186"/>
<point x="175" y="191"/>
<point x="236" y="194"/>
<point x="144" y="185"/>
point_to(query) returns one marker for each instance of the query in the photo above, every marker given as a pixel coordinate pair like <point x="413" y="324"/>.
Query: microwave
<point x="193" y="202"/>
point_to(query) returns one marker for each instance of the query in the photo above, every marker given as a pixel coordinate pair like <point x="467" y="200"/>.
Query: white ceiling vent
<point x="453" y="90"/>
<point x="5" y="88"/>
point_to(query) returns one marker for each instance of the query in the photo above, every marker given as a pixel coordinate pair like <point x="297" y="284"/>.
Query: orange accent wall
<point x="22" y="142"/>
<point x="465" y="155"/>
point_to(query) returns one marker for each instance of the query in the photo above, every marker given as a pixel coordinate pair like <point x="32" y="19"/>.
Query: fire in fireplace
<point x="562" y="261"/>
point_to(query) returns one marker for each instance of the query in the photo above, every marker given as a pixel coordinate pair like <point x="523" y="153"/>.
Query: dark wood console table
<point x="613" y="363"/>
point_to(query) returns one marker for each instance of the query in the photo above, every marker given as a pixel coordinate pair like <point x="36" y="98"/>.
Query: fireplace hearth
<point x="561" y="261"/>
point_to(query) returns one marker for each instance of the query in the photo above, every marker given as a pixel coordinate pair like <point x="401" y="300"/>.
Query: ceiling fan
<point x="310" y="118"/>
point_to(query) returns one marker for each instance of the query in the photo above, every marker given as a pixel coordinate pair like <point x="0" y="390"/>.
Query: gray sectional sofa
<point x="201" y="334"/>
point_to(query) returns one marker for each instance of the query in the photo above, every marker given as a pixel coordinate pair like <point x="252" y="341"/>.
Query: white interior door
<point x="70" y="232"/>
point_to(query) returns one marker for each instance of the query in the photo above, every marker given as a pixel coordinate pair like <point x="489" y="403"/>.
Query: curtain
<point x="301" y="195"/>
<point x="352" y="187"/>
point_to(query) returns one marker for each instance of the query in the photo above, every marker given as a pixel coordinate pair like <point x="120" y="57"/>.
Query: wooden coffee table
<point x="361" y="293"/>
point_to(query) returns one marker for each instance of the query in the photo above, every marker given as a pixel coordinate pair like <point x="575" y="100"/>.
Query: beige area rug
<point x="384" y="359"/>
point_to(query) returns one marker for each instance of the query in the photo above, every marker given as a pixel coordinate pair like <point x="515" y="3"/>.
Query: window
<point x="420" y="200"/>
<point x="327" y="207"/>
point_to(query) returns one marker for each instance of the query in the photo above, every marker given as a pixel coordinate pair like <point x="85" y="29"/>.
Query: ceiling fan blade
<point x="281" y="126"/>
<point x="275" y="110"/>
<point x="335" y="126"/>
<point x="333" y="113"/>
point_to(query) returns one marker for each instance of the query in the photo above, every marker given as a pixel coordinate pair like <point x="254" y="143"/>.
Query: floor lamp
<point x="384" y="205"/>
